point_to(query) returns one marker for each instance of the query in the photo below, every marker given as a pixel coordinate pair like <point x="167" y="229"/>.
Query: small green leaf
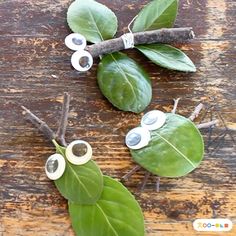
<point x="92" y="19"/>
<point x="124" y="83"/>
<point x="167" y="57"/>
<point x="155" y="15"/>
<point x="175" y="149"/>
<point x="116" y="213"/>
<point x="82" y="184"/>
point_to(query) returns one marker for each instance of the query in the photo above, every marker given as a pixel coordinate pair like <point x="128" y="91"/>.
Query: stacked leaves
<point x="98" y="204"/>
<point x="122" y="81"/>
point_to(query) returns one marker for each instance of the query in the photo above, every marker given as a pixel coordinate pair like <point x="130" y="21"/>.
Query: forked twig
<point x="45" y="129"/>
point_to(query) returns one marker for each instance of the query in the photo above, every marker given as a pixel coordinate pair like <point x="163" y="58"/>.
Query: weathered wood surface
<point x="32" y="50"/>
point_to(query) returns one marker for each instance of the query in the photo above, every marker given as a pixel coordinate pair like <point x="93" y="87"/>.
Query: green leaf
<point x="155" y="15"/>
<point x="116" y="213"/>
<point x="82" y="184"/>
<point x="124" y="83"/>
<point x="92" y="19"/>
<point x="175" y="149"/>
<point x="167" y="57"/>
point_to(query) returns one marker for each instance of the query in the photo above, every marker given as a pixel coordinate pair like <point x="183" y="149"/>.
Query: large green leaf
<point x="82" y="184"/>
<point x="124" y="83"/>
<point x="168" y="57"/>
<point x="116" y="213"/>
<point x="157" y="14"/>
<point x="175" y="149"/>
<point x="92" y="19"/>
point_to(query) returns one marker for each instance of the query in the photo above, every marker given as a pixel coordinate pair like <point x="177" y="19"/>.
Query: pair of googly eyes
<point x="81" y="60"/>
<point x="140" y="137"/>
<point x="78" y="153"/>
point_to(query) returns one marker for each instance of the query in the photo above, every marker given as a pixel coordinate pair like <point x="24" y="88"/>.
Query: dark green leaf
<point x="92" y="19"/>
<point x="157" y="14"/>
<point x="167" y="57"/>
<point x="82" y="184"/>
<point x="174" y="150"/>
<point x="116" y="213"/>
<point x="124" y="83"/>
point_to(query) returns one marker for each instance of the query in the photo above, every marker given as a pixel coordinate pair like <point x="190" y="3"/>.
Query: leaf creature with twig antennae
<point x="98" y="205"/>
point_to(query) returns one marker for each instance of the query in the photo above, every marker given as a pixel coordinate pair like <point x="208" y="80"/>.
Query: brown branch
<point x="208" y="124"/>
<point x="158" y="184"/>
<point x="130" y="173"/>
<point x="176" y="102"/>
<point x="38" y="123"/>
<point x="145" y="179"/>
<point x="171" y="35"/>
<point x="60" y="135"/>
<point x="196" y="112"/>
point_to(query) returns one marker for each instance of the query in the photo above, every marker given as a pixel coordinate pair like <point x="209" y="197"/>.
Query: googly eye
<point x="75" y="42"/>
<point x="55" y="166"/>
<point x="153" y="120"/>
<point x="137" y="138"/>
<point x="82" y="60"/>
<point x="79" y="152"/>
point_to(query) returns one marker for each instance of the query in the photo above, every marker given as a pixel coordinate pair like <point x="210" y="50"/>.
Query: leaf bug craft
<point x="121" y="79"/>
<point x="167" y="144"/>
<point x="98" y="205"/>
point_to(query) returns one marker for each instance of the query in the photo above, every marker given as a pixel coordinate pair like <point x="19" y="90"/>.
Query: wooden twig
<point x="155" y="36"/>
<point x="158" y="184"/>
<point x="196" y="112"/>
<point x="39" y="124"/>
<point x="176" y="102"/>
<point x="60" y="135"/>
<point x="145" y="179"/>
<point x="208" y="124"/>
<point x="130" y="173"/>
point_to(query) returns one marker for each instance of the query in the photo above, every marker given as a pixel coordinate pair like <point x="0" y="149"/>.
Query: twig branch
<point x="196" y="112"/>
<point x="207" y="124"/>
<point x="158" y="184"/>
<point x="130" y="173"/>
<point x="145" y="179"/>
<point x="60" y="135"/>
<point x="39" y="124"/>
<point x="155" y="36"/>
<point x="176" y="102"/>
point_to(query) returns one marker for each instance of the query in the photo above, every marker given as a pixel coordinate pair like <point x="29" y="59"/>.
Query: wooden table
<point x="35" y="71"/>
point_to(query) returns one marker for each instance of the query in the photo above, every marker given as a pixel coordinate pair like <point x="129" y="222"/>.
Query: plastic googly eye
<point x="137" y="138"/>
<point x="82" y="60"/>
<point x="153" y="120"/>
<point x="55" y="166"/>
<point x="79" y="152"/>
<point x="75" y="41"/>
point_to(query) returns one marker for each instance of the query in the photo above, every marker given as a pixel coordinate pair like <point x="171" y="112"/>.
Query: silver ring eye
<point x="153" y="120"/>
<point x="82" y="60"/>
<point x="79" y="152"/>
<point x="75" y="42"/>
<point x="137" y="138"/>
<point x="55" y="166"/>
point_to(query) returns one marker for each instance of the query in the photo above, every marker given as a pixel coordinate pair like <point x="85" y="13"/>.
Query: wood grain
<point x="35" y="71"/>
